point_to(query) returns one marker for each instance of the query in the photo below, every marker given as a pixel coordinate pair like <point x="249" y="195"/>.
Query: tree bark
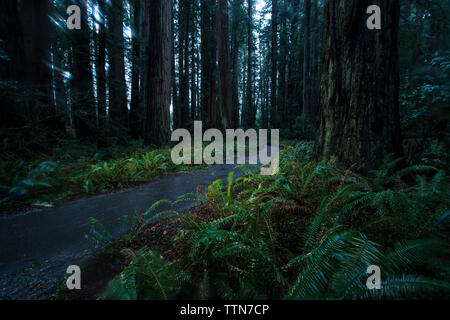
<point x="249" y="112"/>
<point x="83" y="104"/>
<point x="159" y="73"/>
<point x="175" y="101"/>
<point x="101" y="77"/>
<point x="12" y="113"/>
<point x="135" y="118"/>
<point x="307" y="58"/>
<point x="37" y="57"/>
<point x="315" y="57"/>
<point x="224" y="64"/>
<point x="235" y="62"/>
<point x="118" y="110"/>
<point x="359" y="91"/>
<point x="183" y="61"/>
<point x="208" y="62"/>
<point x="274" y="66"/>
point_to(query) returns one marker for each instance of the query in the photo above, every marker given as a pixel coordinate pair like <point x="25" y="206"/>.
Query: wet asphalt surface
<point x="37" y="247"/>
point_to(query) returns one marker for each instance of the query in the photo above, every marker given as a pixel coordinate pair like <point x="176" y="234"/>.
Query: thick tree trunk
<point x="183" y="61"/>
<point x="101" y="78"/>
<point x="274" y="66"/>
<point x="193" y="83"/>
<point x="135" y="119"/>
<point x="250" y="115"/>
<point x="83" y="104"/>
<point x="159" y="73"/>
<point x="208" y="56"/>
<point x="37" y="57"/>
<point x="12" y="113"/>
<point x="118" y="110"/>
<point x="307" y="58"/>
<point x="143" y="90"/>
<point x="235" y="65"/>
<point x="175" y="101"/>
<point x="283" y="81"/>
<point x="315" y="55"/>
<point x="224" y="64"/>
<point x="359" y="121"/>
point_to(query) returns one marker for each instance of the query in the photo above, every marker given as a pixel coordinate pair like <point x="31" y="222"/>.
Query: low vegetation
<point x="310" y="232"/>
<point x="73" y="170"/>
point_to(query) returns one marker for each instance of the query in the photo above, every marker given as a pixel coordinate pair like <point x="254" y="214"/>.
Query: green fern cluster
<point x="310" y="232"/>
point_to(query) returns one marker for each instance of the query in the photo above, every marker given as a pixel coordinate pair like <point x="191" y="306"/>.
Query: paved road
<point x="60" y="230"/>
<point x="56" y="236"/>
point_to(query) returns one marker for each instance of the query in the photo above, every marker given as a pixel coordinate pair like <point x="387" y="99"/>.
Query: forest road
<point x="52" y="239"/>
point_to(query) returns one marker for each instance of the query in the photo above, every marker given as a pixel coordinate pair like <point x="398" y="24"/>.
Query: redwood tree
<point x="36" y="29"/>
<point x="82" y="83"/>
<point x="11" y="68"/>
<point x="208" y="62"/>
<point x="159" y="73"/>
<point x="359" y="122"/>
<point x="224" y="64"/>
<point x="306" y="58"/>
<point x="274" y="66"/>
<point x="118" y="111"/>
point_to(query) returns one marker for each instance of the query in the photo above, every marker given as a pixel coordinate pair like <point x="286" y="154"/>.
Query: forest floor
<point x="39" y="245"/>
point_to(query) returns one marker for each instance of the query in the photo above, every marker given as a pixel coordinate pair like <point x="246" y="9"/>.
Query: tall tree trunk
<point x="135" y="118"/>
<point x="175" y="101"/>
<point x="193" y="79"/>
<point x="208" y="56"/>
<point x="83" y="104"/>
<point x="284" y="60"/>
<point x="315" y="76"/>
<point x="143" y="90"/>
<point x="274" y="66"/>
<point x="159" y="73"/>
<point x="224" y="64"/>
<point x="12" y="112"/>
<point x="307" y="58"/>
<point x="37" y="57"/>
<point x="101" y="77"/>
<point x="183" y="61"/>
<point x="359" y="121"/>
<point x="250" y="114"/>
<point x="235" y="63"/>
<point x="118" y="110"/>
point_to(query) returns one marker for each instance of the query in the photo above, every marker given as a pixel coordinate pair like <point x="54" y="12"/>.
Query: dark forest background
<point x="363" y="116"/>
<point x="139" y="69"/>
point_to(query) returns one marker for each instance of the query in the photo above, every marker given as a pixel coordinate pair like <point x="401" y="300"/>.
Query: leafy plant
<point x="35" y="179"/>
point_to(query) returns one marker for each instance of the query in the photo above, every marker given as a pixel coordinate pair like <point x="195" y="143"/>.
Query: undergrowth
<point x="73" y="170"/>
<point x="310" y="232"/>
